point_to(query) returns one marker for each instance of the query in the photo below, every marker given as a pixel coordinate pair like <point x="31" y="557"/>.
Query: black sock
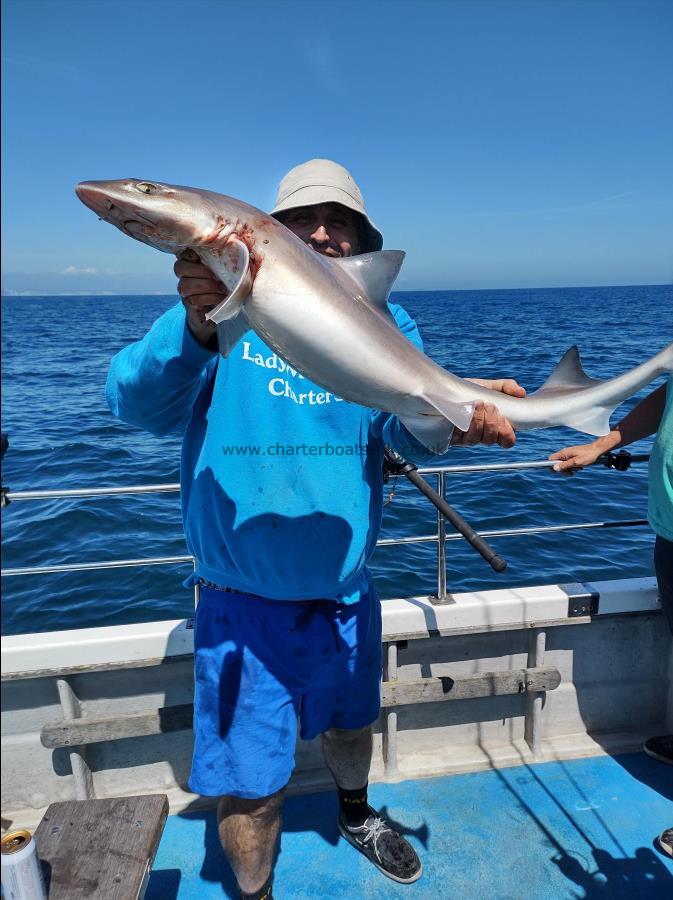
<point x="264" y="893"/>
<point x="354" y="807"/>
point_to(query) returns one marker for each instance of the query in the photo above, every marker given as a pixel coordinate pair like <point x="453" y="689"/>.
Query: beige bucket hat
<point x="324" y="181"/>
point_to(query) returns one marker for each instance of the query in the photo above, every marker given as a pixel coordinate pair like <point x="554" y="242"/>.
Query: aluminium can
<point x="21" y="871"/>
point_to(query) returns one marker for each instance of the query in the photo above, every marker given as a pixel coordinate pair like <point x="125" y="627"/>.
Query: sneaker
<point x="388" y="850"/>
<point x="660" y="748"/>
<point x="665" y="841"/>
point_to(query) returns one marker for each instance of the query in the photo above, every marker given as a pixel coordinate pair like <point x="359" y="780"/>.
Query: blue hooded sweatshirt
<point x="281" y="480"/>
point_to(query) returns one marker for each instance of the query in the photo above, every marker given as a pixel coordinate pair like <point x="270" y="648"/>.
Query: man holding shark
<point x="288" y="626"/>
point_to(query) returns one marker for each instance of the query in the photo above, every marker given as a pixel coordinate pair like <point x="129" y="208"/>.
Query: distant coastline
<point x="82" y="294"/>
<point x="8" y="294"/>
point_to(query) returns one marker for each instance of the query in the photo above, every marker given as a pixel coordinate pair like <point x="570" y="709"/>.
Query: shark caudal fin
<point x="570" y="376"/>
<point x="434" y="430"/>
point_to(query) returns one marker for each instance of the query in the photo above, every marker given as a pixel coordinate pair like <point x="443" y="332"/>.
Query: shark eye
<point x="146" y="187"/>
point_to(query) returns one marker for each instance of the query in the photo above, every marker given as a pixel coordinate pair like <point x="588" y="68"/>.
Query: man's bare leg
<point x="249" y="831"/>
<point x="348" y="754"/>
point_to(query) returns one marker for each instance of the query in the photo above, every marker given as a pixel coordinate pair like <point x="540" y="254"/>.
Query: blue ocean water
<point x="55" y="356"/>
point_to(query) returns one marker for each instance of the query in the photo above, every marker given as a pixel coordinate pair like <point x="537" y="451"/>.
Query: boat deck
<point x="577" y="829"/>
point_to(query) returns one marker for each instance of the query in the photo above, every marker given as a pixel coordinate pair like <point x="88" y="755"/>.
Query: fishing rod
<point x="394" y="464"/>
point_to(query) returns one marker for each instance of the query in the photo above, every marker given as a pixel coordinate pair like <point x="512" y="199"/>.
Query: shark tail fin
<point x="570" y="374"/>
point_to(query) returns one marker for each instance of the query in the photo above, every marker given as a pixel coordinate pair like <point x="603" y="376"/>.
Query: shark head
<point x="165" y="216"/>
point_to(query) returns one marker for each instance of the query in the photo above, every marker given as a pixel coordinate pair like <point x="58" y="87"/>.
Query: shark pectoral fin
<point x="460" y="414"/>
<point x="435" y="431"/>
<point x="374" y="274"/>
<point x="235" y="258"/>
<point x="568" y="374"/>
<point x="229" y="332"/>
<point x="595" y="420"/>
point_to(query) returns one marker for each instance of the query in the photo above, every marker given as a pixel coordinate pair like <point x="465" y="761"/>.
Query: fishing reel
<point x="394" y="464"/>
<point x="620" y="461"/>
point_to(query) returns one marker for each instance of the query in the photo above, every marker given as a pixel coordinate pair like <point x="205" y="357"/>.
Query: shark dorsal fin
<point x="374" y="274"/>
<point x="567" y="374"/>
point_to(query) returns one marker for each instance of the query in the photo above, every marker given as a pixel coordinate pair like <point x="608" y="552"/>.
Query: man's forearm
<point x="641" y="422"/>
<point x="205" y="335"/>
<point x="153" y="383"/>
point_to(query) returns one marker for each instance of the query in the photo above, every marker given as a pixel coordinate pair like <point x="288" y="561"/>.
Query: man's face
<point x="329" y="228"/>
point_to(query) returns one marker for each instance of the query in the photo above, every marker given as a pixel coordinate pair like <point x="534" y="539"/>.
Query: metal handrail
<point x="67" y="494"/>
<point x="441" y="538"/>
<point x="382" y="542"/>
<point x="103" y="564"/>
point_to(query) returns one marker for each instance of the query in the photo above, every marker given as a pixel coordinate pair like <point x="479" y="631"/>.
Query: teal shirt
<point x="660" y="504"/>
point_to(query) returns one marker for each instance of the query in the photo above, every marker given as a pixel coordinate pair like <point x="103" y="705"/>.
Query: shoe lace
<point x="373" y="829"/>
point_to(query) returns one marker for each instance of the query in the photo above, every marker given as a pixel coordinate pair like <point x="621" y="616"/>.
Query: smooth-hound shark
<point x="330" y="320"/>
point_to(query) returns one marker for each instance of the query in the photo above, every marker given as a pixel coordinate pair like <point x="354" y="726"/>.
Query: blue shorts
<point x="262" y="665"/>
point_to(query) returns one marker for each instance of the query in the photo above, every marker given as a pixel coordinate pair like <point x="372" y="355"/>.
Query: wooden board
<point x="87" y="668"/>
<point x="100" y="849"/>
<point x="94" y="730"/>
<point x="470" y="687"/>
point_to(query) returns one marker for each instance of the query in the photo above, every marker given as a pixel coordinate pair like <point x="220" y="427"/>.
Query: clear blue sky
<point x="501" y="144"/>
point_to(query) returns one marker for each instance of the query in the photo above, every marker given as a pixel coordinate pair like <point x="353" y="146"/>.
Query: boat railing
<point x="440" y="538"/>
<point x="534" y="679"/>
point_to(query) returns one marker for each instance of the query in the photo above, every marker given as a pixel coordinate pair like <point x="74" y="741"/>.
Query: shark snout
<point x="91" y="195"/>
<point x="115" y="203"/>
<point x="106" y="199"/>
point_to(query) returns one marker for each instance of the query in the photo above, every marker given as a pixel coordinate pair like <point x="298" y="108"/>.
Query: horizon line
<point x="17" y="295"/>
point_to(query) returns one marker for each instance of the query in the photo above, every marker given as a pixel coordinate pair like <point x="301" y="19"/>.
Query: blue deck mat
<point x="580" y="828"/>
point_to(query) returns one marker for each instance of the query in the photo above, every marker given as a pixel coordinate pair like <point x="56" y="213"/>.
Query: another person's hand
<point x="200" y="291"/>
<point x="643" y="421"/>
<point x="488" y="426"/>
<point x="504" y="385"/>
<point x="574" y="459"/>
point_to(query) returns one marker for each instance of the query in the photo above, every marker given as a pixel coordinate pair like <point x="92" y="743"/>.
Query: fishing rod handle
<point x="483" y="548"/>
